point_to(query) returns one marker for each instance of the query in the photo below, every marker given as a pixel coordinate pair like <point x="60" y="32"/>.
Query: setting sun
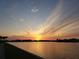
<point x="37" y="36"/>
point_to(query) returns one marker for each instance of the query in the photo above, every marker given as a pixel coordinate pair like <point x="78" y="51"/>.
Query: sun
<point x="37" y="36"/>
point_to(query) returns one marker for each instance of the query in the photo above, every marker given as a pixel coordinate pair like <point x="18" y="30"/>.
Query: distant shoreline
<point x="58" y="40"/>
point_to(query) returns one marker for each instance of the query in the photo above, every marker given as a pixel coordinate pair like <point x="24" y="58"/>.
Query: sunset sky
<point x="39" y="18"/>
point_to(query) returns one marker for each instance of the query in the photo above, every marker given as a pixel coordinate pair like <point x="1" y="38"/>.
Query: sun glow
<point x="37" y="36"/>
<point x="52" y="27"/>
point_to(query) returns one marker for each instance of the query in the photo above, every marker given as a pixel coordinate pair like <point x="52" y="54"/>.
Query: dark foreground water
<point x="51" y="50"/>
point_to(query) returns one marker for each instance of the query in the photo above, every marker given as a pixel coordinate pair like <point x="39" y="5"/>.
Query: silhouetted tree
<point x="3" y="37"/>
<point x="0" y="37"/>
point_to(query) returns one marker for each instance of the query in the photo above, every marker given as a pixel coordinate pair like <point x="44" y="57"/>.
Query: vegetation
<point x="68" y="40"/>
<point x="4" y="39"/>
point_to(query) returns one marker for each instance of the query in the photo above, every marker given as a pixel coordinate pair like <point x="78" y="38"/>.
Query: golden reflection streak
<point x="36" y="48"/>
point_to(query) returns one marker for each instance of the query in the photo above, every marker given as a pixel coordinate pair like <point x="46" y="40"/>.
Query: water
<point x="51" y="50"/>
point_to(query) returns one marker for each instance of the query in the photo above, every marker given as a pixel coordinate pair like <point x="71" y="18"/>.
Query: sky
<point x="50" y="18"/>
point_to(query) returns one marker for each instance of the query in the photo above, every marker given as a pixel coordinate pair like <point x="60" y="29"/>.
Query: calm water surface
<point x="51" y="50"/>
